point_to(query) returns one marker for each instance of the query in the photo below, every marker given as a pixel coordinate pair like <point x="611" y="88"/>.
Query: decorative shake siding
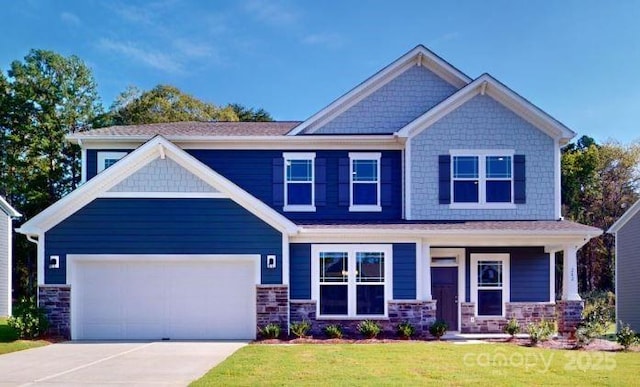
<point x="162" y="176"/>
<point x="5" y="275"/>
<point x="393" y="105"/>
<point x="628" y="264"/>
<point x="482" y="123"/>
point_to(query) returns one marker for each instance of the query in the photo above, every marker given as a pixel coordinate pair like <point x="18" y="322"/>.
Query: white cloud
<point x="70" y="18"/>
<point x="271" y="11"/>
<point x="151" y="58"/>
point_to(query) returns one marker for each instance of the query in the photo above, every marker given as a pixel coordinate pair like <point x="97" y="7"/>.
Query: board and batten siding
<point x="404" y="271"/>
<point x="5" y="275"/>
<point x="628" y="272"/>
<point x="163" y="226"/>
<point x="529" y="272"/>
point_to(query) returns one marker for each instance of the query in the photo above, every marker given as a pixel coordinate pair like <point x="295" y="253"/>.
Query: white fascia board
<point x="503" y="95"/>
<point x="10" y="211"/>
<point x="134" y="161"/>
<point x="419" y="54"/>
<point x="630" y="213"/>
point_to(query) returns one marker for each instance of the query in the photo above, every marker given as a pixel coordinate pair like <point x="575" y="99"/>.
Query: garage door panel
<point x="142" y="298"/>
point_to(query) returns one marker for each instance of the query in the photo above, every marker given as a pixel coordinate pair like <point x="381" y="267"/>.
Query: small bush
<point x="270" y="331"/>
<point x="626" y="336"/>
<point x="512" y="328"/>
<point x="541" y="331"/>
<point x="28" y="320"/>
<point x="438" y="328"/>
<point x="587" y="331"/>
<point x="406" y="330"/>
<point x="300" y="329"/>
<point x="333" y="331"/>
<point x="599" y="314"/>
<point x="369" y="329"/>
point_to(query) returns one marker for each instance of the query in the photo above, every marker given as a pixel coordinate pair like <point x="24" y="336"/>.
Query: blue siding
<point x="252" y="171"/>
<point x="300" y="271"/>
<point x="163" y="226"/>
<point x="92" y="160"/>
<point x="529" y="272"/>
<point x="404" y="271"/>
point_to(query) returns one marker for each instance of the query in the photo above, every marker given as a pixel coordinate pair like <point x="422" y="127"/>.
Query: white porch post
<point x="570" y="275"/>
<point x="426" y="270"/>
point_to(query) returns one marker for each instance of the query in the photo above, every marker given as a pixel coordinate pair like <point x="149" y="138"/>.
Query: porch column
<point x="426" y="270"/>
<point x="570" y="275"/>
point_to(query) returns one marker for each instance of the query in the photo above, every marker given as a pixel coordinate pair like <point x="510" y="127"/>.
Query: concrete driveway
<point x="164" y="363"/>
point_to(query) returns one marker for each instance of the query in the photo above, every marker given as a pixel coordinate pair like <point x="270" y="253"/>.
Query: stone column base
<point x="56" y="302"/>
<point x="272" y="306"/>
<point x="569" y="316"/>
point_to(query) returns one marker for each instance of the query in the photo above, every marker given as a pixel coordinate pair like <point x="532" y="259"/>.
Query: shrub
<point x="406" y="330"/>
<point x="333" y="331"/>
<point x="270" y="331"/>
<point x="598" y="313"/>
<point x="369" y="329"/>
<point x="438" y="328"/>
<point x="541" y="331"/>
<point x="626" y="336"/>
<point x="512" y="328"/>
<point x="28" y="320"/>
<point x="587" y="331"/>
<point x="300" y="329"/>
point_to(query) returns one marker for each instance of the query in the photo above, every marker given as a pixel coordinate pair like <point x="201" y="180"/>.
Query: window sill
<point x="299" y="208"/>
<point x="364" y="317"/>
<point x="482" y="206"/>
<point x="490" y="317"/>
<point x="356" y="208"/>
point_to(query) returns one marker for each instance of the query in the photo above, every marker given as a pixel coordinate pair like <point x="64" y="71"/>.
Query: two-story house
<point x="419" y="194"/>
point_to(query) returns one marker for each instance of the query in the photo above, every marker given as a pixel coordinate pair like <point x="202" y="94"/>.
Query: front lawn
<point x="421" y="363"/>
<point x="9" y="340"/>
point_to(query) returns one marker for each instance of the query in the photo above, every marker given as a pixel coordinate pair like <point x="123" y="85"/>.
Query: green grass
<point x="421" y="363"/>
<point x="9" y="340"/>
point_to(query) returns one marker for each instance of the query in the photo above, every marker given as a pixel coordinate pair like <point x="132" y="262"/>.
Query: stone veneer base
<point x="272" y="305"/>
<point x="56" y="302"/>
<point x="524" y="312"/>
<point x="569" y="316"/>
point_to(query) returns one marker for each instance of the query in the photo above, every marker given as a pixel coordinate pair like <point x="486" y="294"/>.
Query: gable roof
<point x="158" y="147"/>
<point x="6" y="207"/>
<point x="627" y="216"/>
<point x="420" y="55"/>
<point x="486" y="84"/>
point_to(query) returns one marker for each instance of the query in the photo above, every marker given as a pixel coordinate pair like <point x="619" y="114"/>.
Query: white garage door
<point x="143" y="297"/>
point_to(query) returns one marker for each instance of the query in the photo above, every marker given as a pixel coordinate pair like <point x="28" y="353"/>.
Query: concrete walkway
<point x="114" y="363"/>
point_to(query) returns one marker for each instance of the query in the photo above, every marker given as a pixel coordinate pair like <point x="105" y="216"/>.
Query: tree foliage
<point x="43" y="98"/>
<point x="250" y="114"/>
<point x="599" y="183"/>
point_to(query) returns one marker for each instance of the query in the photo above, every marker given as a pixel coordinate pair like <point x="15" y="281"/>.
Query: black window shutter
<point x="278" y="181"/>
<point x="343" y="182"/>
<point x="386" y="184"/>
<point x="321" y="182"/>
<point x="444" y="179"/>
<point x="519" y="180"/>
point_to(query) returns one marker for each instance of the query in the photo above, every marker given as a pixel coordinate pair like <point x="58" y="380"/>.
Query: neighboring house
<point x="627" y="233"/>
<point x="7" y="213"/>
<point x="419" y="194"/>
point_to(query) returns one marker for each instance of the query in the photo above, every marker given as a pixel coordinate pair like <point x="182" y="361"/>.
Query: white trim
<point x="365" y="156"/>
<point x="481" y="155"/>
<point x="506" y="284"/>
<point x="351" y="250"/>
<point x="570" y="274"/>
<point x="285" y="260"/>
<point x="423" y="269"/>
<point x="483" y="206"/>
<point x="6" y="207"/>
<point x="134" y="161"/>
<point x="418" y="55"/>
<point x="177" y="195"/>
<point x="557" y="179"/>
<point x="9" y="263"/>
<point x="407" y="180"/>
<point x="40" y="269"/>
<point x="627" y="216"/>
<point x="460" y="255"/>
<point x="499" y="92"/>
<point x="301" y="156"/>
<point x="83" y="165"/>
<point x="552" y="277"/>
<point x="102" y="157"/>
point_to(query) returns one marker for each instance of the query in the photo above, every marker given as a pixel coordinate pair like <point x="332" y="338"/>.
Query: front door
<point x="444" y="288"/>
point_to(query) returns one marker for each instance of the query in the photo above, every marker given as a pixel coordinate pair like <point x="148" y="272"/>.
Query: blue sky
<point x="577" y="60"/>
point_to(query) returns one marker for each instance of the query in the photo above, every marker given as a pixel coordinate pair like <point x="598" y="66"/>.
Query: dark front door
<point x="444" y="288"/>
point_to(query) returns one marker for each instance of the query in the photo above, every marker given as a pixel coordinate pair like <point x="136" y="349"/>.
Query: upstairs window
<point x="107" y="159"/>
<point x="365" y="182"/>
<point x="299" y="179"/>
<point x="482" y="179"/>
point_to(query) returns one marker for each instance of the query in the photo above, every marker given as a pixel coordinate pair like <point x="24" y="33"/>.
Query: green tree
<point x="250" y="114"/>
<point x="43" y="98"/>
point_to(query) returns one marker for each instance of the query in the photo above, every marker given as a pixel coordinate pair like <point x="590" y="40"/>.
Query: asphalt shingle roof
<point x="191" y="128"/>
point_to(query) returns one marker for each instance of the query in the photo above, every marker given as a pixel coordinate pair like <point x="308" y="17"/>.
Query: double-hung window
<point x="365" y="181"/>
<point x="299" y="176"/>
<point x="490" y="283"/>
<point x="107" y="159"/>
<point x="351" y="280"/>
<point x="482" y="178"/>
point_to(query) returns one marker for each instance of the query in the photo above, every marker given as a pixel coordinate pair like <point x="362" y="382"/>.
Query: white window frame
<point x="306" y="156"/>
<point x="482" y="155"/>
<point x="104" y="156"/>
<point x="364" y="207"/>
<point x="351" y="250"/>
<point x="506" y="283"/>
